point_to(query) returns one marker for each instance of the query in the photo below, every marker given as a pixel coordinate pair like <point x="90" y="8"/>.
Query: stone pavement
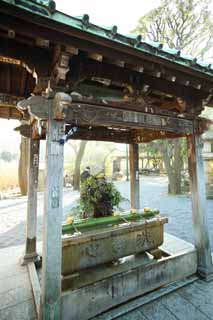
<point x="178" y="209"/>
<point x="153" y="194"/>
<point x="13" y="217"/>
<point x="192" y="302"/>
<point x="16" y="299"/>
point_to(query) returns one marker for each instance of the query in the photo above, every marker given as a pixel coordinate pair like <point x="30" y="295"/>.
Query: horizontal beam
<point x="102" y="134"/>
<point x="97" y="94"/>
<point x="81" y="114"/>
<point x="85" y="114"/>
<point x="133" y="136"/>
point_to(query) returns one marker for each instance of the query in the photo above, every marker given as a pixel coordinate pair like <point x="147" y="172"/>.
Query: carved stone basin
<point x="107" y="244"/>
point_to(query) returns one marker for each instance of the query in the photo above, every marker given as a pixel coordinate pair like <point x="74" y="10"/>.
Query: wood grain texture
<point x="198" y="193"/>
<point x="134" y="176"/>
<point x="30" y="248"/>
<point x="53" y="210"/>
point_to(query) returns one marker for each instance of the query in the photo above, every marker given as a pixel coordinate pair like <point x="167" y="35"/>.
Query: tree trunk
<point x="78" y="160"/>
<point x="105" y="159"/>
<point x="23" y="165"/>
<point x="174" y="172"/>
<point x="177" y="165"/>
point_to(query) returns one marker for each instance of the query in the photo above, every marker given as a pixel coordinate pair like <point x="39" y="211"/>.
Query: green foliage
<point x="181" y="24"/>
<point x="95" y="190"/>
<point x="154" y="148"/>
<point x="76" y="211"/>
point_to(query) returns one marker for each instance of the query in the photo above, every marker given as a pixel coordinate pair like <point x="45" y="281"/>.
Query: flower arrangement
<point x="99" y="197"/>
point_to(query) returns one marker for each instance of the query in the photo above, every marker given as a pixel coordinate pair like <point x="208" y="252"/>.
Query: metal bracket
<point x="68" y="135"/>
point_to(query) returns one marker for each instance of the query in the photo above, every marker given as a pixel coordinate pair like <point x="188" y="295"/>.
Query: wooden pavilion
<point x="82" y="81"/>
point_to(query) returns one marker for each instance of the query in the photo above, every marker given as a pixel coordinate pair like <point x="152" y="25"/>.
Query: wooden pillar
<point x="52" y="233"/>
<point x="33" y="168"/>
<point x="134" y="176"/>
<point x="127" y="163"/>
<point x="198" y="194"/>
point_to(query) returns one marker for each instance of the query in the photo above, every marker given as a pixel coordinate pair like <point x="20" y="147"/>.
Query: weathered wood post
<point x="198" y="194"/>
<point x="53" y="210"/>
<point x="134" y="176"/>
<point x="33" y="168"/>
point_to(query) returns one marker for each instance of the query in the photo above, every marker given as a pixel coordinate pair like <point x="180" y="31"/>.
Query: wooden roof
<point x="47" y="9"/>
<point x="98" y="64"/>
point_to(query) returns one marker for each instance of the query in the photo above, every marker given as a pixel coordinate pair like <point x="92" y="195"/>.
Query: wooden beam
<point x="52" y="232"/>
<point x="134" y="176"/>
<point x="30" y="245"/>
<point x="102" y="134"/>
<point x="82" y="114"/>
<point x="85" y="114"/>
<point x="94" y="93"/>
<point x="199" y="212"/>
<point x="119" y="136"/>
<point x="146" y="135"/>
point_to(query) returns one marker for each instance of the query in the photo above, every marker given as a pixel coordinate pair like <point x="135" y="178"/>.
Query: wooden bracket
<point x="61" y="67"/>
<point x="60" y="103"/>
<point x="38" y="106"/>
<point x="25" y="130"/>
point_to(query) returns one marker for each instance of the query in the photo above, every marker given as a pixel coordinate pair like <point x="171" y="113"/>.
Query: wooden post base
<point x="205" y="274"/>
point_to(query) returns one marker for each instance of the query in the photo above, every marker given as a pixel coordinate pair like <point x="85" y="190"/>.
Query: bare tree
<point x="79" y="149"/>
<point x="186" y="25"/>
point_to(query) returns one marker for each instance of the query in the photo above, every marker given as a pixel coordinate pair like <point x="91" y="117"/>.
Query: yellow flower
<point x="133" y="211"/>
<point x="69" y="220"/>
<point x="146" y="209"/>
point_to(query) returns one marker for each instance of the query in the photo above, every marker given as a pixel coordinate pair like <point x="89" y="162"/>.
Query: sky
<point x="124" y="14"/>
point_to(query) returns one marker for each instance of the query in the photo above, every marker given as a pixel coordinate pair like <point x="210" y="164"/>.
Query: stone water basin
<point x="98" y="245"/>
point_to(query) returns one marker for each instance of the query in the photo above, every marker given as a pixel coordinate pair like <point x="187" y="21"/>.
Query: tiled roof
<point x="46" y="8"/>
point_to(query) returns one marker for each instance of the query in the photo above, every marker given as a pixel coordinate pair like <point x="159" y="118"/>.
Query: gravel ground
<point x="153" y="194"/>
